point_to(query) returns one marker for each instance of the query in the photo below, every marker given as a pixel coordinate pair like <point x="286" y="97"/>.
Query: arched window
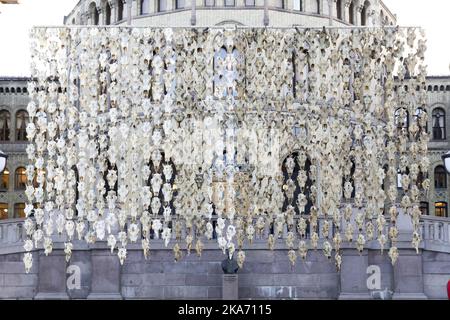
<point x="421" y="118"/>
<point x="348" y="177"/>
<point x="119" y="10"/>
<point x="440" y="209"/>
<point x="20" y="179"/>
<point x="298" y="179"/>
<point x="225" y="73"/>
<point x="295" y="185"/>
<point x="94" y="13"/>
<point x="351" y="13"/>
<point x="424" y="208"/>
<point x="436" y="88"/>
<point x="298" y="5"/>
<point x="162" y="5"/>
<point x="74" y="200"/>
<point x="4" y="180"/>
<point x="3" y="210"/>
<point x="210" y="3"/>
<point x="229" y="3"/>
<point x="19" y="210"/>
<point x="5" y="119"/>
<point x="447" y="88"/>
<point x="441" y="88"/>
<point x="158" y="170"/>
<point x="108" y="188"/>
<point x="22" y="120"/>
<point x="420" y="179"/>
<point x="364" y="13"/>
<point x="430" y="88"/>
<point x="401" y="118"/>
<point x="180" y="4"/>
<point x="384" y="184"/>
<point x="399" y="177"/>
<point x="440" y="177"/>
<point x="439" y="124"/>
<point x="1" y="90"/>
<point x="315" y="6"/>
<point x="339" y="9"/>
<point x="107" y="13"/>
<point x="145" y="6"/>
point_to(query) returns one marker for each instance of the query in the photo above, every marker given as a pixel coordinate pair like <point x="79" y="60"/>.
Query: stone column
<point x="128" y="5"/>
<point x="105" y="276"/>
<point x="353" y="275"/>
<point x="346" y="13"/>
<point x="12" y="129"/>
<point x="436" y="231"/>
<point x="404" y="226"/>
<point x="408" y="276"/>
<point x="446" y="232"/>
<point x="371" y="18"/>
<point x="79" y="272"/>
<point x="101" y="16"/>
<point x="266" y="13"/>
<point x="113" y="12"/>
<point x="331" y="6"/>
<point x="52" y="276"/>
<point x="134" y="8"/>
<point x="358" y="15"/>
<point x="193" y="13"/>
<point x="230" y="287"/>
<point x="84" y="18"/>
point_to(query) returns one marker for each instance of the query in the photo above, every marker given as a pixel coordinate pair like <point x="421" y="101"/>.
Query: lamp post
<point x="3" y="159"/>
<point x="446" y="160"/>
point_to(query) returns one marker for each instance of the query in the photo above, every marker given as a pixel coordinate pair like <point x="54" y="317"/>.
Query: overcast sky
<point x="16" y="20"/>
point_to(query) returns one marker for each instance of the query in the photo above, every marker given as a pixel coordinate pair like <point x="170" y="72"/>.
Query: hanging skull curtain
<point x="304" y="138"/>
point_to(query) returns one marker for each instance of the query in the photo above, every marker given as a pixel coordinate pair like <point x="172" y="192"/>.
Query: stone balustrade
<point x="266" y="274"/>
<point x="12" y="233"/>
<point x="435" y="233"/>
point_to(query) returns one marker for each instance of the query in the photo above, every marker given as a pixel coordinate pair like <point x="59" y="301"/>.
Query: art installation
<point x="297" y="137"/>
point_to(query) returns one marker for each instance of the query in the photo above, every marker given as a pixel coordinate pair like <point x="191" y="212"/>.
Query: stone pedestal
<point x="353" y="275"/>
<point x="52" y="276"/>
<point x="105" y="276"/>
<point x="408" y="276"/>
<point x="79" y="273"/>
<point x="230" y="287"/>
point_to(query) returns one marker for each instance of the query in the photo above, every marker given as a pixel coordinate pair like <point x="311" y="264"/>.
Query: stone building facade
<point x="437" y="199"/>
<point x="280" y="13"/>
<point x="266" y="274"/>
<point x="13" y="121"/>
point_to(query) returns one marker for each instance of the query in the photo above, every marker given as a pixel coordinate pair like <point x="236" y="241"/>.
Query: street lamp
<point x="446" y="159"/>
<point x="3" y="158"/>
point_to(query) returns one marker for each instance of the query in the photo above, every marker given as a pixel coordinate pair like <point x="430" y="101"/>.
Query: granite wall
<point x="96" y="274"/>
